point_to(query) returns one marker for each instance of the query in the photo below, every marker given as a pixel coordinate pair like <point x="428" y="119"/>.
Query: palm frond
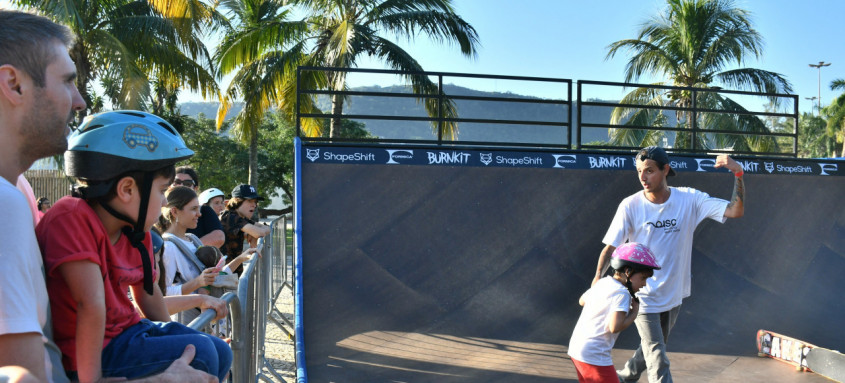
<point x="443" y="27"/>
<point x="397" y="58"/>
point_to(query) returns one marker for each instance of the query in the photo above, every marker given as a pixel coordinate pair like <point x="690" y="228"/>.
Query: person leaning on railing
<point x="238" y="224"/>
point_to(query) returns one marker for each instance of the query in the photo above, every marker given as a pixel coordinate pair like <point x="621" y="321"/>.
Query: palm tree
<point x="341" y="31"/>
<point x="693" y="43"/>
<point x="835" y="113"/>
<point x="128" y="42"/>
<point x="257" y="50"/>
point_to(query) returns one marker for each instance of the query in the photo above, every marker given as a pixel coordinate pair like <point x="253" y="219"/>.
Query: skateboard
<point x="827" y="363"/>
<point x="784" y="348"/>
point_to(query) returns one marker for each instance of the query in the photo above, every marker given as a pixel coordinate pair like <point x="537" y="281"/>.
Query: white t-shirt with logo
<point x="667" y="229"/>
<point x="591" y="341"/>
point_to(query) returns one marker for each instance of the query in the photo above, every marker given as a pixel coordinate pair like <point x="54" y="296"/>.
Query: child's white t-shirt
<point x="591" y="341"/>
<point x="667" y="229"/>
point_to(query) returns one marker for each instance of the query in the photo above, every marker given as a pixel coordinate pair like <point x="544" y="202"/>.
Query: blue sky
<point x="569" y="39"/>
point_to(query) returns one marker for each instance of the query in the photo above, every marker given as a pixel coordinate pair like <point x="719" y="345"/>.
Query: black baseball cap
<point x="657" y="154"/>
<point x="246" y="192"/>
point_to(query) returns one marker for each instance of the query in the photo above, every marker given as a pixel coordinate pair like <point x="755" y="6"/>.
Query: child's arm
<point x="85" y="284"/>
<point x="151" y="307"/>
<point x="179" y="303"/>
<point x="245" y="256"/>
<point x="619" y="320"/>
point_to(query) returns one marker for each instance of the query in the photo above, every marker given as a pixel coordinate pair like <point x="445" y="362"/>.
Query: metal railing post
<point x="694" y="118"/>
<point x="440" y="110"/>
<point x="298" y="112"/>
<point x="579" y="109"/>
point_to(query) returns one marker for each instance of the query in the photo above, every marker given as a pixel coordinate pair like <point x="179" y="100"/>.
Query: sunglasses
<point x="188" y="183"/>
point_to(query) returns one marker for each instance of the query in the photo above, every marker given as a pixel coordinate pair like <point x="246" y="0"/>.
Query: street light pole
<point x="811" y="102"/>
<point x="819" y="67"/>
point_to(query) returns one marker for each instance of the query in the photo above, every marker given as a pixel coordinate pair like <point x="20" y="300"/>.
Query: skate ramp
<point x="424" y="265"/>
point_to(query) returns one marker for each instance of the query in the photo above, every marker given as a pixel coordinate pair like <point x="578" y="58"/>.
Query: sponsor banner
<point x="549" y="159"/>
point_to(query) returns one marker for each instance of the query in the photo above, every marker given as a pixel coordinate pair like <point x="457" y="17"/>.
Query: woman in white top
<point x="181" y="272"/>
<point x="181" y="275"/>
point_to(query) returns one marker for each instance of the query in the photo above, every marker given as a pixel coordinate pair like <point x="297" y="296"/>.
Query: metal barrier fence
<point x="250" y="309"/>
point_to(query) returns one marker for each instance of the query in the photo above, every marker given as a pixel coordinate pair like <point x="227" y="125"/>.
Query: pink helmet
<point x="634" y="255"/>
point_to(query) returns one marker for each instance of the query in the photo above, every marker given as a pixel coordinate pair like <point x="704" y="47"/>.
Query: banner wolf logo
<point x="313" y="154"/>
<point x="486" y="158"/>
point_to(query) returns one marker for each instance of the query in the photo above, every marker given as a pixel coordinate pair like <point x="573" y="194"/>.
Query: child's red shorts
<point x="587" y="373"/>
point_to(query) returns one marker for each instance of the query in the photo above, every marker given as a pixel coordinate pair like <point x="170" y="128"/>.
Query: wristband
<point x="739" y="173"/>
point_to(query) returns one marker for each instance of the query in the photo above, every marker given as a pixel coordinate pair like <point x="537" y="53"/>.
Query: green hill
<point x="470" y="109"/>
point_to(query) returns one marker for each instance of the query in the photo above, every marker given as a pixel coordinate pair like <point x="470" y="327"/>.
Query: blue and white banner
<point x="549" y="159"/>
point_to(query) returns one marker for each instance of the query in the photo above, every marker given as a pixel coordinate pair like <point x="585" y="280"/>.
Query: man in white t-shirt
<point x="37" y="98"/>
<point x="664" y="219"/>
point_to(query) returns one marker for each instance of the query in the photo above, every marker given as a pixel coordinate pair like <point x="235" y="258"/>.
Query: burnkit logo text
<point x="607" y="162"/>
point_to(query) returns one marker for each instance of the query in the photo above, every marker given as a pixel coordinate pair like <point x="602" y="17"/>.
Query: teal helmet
<point x="109" y="144"/>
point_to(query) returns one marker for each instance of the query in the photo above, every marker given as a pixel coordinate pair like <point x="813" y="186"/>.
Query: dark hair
<point x="41" y="201"/>
<point x="190" y="172"/>
<point x="234" y="203"/>
<point x="166" y="172"/>
<point x="208" y="255"/>
<point x="177" y="197"/>
<point x="26" y="42"/>
<point x="645" y="154"/>
<point x="645" y="270"/>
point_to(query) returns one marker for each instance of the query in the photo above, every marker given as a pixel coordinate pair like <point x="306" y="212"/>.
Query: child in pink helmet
<point x="610" y="306"/>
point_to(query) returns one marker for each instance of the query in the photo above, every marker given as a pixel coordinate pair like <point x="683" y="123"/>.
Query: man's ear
<point x="125" y="189"/>
<point x="11" y="84"/>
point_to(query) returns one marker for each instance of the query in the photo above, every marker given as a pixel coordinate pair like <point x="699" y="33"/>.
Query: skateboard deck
<point x="828" y="363"/>
<point x="784" y="348"/>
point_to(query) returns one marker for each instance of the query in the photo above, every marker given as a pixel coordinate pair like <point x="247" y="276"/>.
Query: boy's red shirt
<point x="71" y="231"/>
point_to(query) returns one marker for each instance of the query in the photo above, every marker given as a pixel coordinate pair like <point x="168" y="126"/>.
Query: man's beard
<point x="44" y="130"/>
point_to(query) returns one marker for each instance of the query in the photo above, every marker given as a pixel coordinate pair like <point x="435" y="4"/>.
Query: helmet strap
<point x="628" y="284"/>
<point x="136" y="233"/>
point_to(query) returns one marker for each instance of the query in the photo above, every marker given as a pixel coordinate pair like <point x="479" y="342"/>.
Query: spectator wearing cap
<point x="208" y="229"/>
<point x="214" y="198"/>
<point x="238" y="224"/>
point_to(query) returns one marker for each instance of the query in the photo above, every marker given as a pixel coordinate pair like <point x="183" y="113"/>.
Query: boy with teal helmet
<point x="96" y="246"/>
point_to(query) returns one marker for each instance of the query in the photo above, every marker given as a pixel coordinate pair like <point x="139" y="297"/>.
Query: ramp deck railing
<point x="681" y="119"/>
